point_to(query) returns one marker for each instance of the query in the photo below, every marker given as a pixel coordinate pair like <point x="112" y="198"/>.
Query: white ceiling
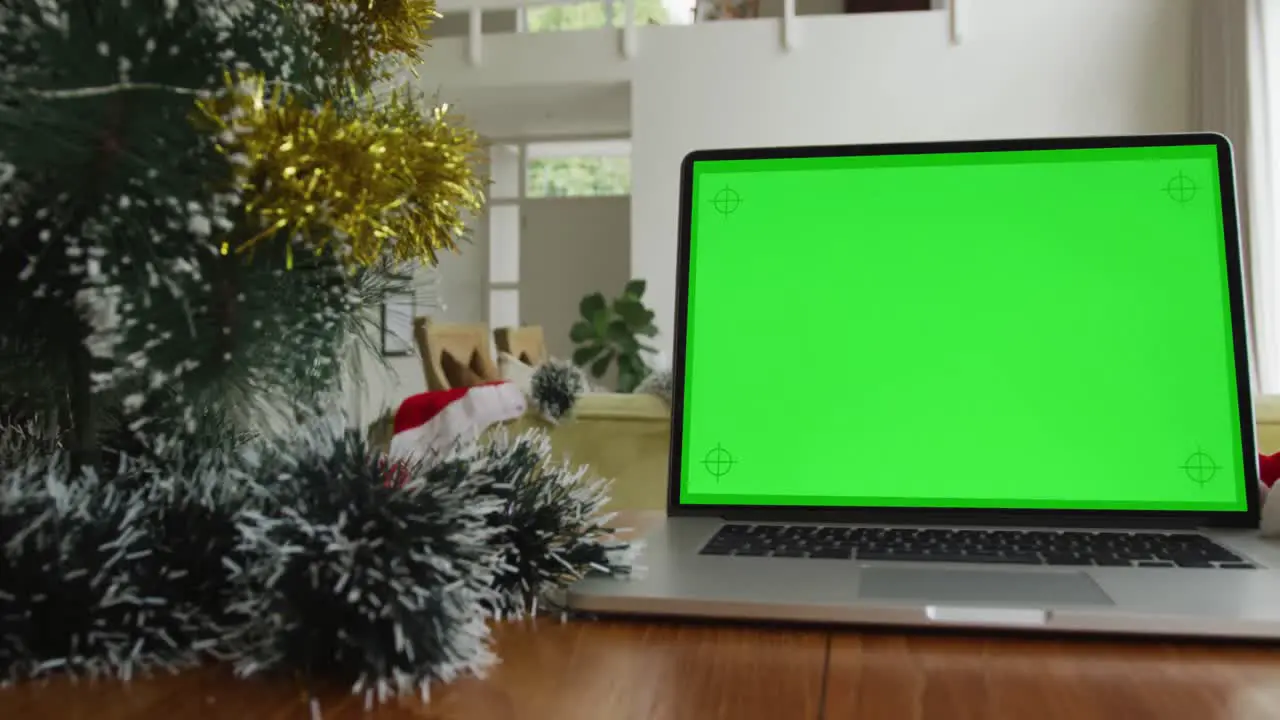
<point x="544" y="111"/>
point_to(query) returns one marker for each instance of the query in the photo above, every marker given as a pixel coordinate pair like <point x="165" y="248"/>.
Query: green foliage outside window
<point x="579" y="176"/>
<point x="585" y="176"/>
<point x="591" y="15"/>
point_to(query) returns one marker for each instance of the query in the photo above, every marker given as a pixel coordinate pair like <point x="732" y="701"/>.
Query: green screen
<point x="1017" y="330"/>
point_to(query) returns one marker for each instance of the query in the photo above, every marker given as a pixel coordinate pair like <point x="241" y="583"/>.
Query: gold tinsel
<point x="378" y="181"/>
<point x="360" y="34"/>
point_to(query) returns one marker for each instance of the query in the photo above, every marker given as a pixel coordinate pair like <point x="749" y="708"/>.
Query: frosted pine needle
<point x="359" y="580"/>
<point x="554" y="530"/>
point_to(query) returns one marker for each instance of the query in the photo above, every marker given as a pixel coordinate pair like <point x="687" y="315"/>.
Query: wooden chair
<point x="464" y="346"/>
<point x="527" y="344"/>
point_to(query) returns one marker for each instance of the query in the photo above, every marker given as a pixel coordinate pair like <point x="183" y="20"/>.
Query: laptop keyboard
<point x="1005" y="547"/>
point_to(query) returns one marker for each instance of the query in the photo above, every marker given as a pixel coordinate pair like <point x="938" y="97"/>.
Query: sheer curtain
<point x="1236" y="93"/>
<point x="1263" y="21"/>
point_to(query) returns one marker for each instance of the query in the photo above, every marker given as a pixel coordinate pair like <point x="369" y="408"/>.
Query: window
<point x="606" y="13"/>
<point x="504" y="172"/>
<point x="578" y="169"/>
<point x="504" y="308"/>
<point x="504" y="243"/>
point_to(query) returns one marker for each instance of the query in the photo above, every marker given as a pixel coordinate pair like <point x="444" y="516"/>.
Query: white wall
<point x="570" y="248"/>
<point x="543" y="111"/>
<point x="1025" y="68"/>
<point x="457" y="24"/>
<point x="388" y="381"/>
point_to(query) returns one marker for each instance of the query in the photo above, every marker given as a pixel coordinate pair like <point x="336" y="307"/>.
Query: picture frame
<point x="398" y="312"/>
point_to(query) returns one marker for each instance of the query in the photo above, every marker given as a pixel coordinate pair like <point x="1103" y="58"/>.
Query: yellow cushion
<point x="459" y="375"/>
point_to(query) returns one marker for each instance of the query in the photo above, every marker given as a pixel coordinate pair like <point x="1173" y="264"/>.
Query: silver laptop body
<point x="1176" y="561"/>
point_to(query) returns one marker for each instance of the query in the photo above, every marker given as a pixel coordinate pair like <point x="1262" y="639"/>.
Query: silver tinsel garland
<point x="74" y="553"/>
<point x="307" y="554"/>
<point x="368" y="574"/>
<point x="554" y="529"/>
<point x="659" y="383"/>
<point x="555" y="388"/>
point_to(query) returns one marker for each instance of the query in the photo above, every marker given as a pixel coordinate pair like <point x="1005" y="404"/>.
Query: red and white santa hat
<point x="438" y="421"/>
<point x="1269" y="492"/>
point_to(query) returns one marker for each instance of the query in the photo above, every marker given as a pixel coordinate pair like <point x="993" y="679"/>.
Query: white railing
<point x="957" y="11"/>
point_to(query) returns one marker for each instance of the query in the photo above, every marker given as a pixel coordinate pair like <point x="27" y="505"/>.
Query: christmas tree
<point x="200" y="202"/>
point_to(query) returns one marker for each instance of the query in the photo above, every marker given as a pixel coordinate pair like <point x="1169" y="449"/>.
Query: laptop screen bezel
<point x="1248" y="517"/>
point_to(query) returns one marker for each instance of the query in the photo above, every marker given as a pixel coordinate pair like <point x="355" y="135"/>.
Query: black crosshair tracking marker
<point x="718" y="462"/>
<point x="1181" y="188"/>
<point x="726" y="201"/>
<point x="1200" y="468"/>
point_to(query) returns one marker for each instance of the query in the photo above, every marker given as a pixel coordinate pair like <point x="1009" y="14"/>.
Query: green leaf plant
<point x="611" y="334"/>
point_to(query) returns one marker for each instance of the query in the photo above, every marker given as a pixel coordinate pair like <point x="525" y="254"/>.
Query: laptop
<point x="997" y="385"/>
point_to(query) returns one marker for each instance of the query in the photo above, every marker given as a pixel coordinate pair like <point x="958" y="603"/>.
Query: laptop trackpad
<point x="991" y="587"/>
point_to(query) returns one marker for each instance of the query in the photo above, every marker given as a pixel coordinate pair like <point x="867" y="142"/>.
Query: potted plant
<point x="610" y="334"/>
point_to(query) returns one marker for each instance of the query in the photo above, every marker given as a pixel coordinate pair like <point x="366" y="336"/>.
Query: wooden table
<point x="608" y="670"/>
<point x="635" y="671"/>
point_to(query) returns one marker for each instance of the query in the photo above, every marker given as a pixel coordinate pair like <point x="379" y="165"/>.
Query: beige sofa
<point x="620" y="437"/>
<point x="1267" y="414"/>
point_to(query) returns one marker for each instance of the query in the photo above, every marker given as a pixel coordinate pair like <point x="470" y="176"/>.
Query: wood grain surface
<point x="550" y="671"/>
<point x="601" y="670"/>
<point x="922" y="677"/>
<point x="626" y="671"/>
<point x="607" y="670"/>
